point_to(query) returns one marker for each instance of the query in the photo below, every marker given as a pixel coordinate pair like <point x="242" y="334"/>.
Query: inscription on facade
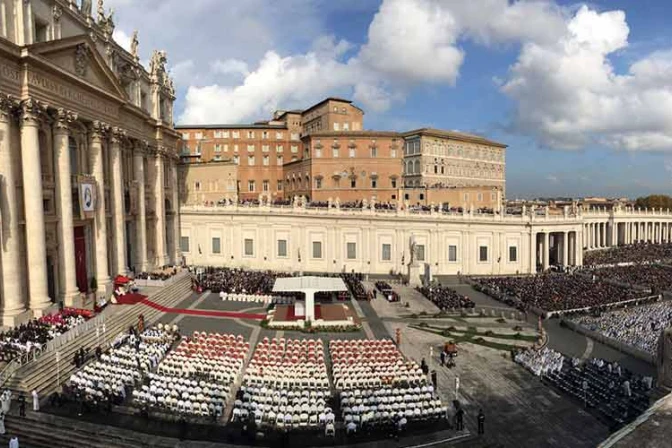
<point x="69" y="94"/>
<point x="10" y="75"/>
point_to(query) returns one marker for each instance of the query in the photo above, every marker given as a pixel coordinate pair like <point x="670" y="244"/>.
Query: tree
<point x="654" y="201"/>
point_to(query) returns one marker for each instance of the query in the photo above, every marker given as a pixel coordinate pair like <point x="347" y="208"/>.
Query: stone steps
<point x="41" y="373"/>
<point x="35" y="433"/>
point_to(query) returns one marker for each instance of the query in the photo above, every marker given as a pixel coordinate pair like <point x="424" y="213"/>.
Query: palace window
<point x="318" y="183"/>
<point x="250" y="134"/>
<point x="249" y="247"/>
<point x="337" y="127"/>
<point x="264" y="135"/>
<point x="386" y="254"/>
<point x="280" y="160"/>
<point x="184" y="244"/>
<point x="279" y="185"/>
<point x="317" y="249"/>
<point x="282" y="248"/>
<point x="216" y="246"/>
<point x="483" y="253"/>
<point x="266" y="161"/>
<point x="264" y="186"/>
<point x="236" y="134"/>
<point x="420" y="248"/>
<point x="513" y="254"/>
<point x="250" y="185"/>
<point x="278" y="135"/>
<point x="279" y="149"/>
<point x="452" y="253"/>
<point x="265" y="148"/>
<point x="250" y="160"/>
<point x="351" y="250"/>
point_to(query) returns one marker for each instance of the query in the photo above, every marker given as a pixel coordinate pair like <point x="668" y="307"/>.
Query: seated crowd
<point x="638" y="327"/>
<point x="196" y="377"/>
<point x="122" y="367"/>
<point x="164" y="273"/>
<point x="652" y="276"/>
<point x="239" y="281"/>
<point x="616" y="394"/>
<point x="354" y="283"/>
<point x="285" y="385"/>
<point x="446" y="298"/>
<point x="555" y="292"/>
<point x="633" y="253"/>
<point x="25" y="338"/>
<point x="379" y="388"/>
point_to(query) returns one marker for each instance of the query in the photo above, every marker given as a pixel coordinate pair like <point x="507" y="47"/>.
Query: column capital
<point x="117" y="134"/>
<point x="32" y="111"/>
<point x="99" y="129"/>
<point x="8" y="106"/>
<point x="63" y="118"/>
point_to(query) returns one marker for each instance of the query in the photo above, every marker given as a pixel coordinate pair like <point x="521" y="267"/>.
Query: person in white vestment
<point x="36" y="400"/>
<point x="14" y="442"/>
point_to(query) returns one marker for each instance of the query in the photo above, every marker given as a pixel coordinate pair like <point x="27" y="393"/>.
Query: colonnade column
<point x="66" y="239"/>
<point x="160" y="198"/>
<point x="177" y="252"/>
<point x="118" y="202"/>
<point x="141" y="220"/>
<point x="10" y="267"/>
<point x="533" y="252"/>
<point x="96" y="148"/>
<point x="546" y="251"/>
<point x="565" y="248"/>
<point x="36" y="249"/>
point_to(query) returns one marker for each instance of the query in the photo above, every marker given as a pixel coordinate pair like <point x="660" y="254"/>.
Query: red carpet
<point x="208" y="313"/>
<point x="130" y="299"/>
<point x="292" y="316"/>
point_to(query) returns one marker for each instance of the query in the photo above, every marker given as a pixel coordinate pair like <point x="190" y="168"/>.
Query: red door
<point x="80" y="259"/>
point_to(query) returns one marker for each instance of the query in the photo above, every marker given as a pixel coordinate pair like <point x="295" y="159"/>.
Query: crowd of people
<point x="555" y="291"/>
<point x="654" y="277"/>
<point x="380" y="388"/>
<point x="195" y="378"/>
<point x="239" y="281"/>
<point x="285" y="386"/>
<point x="386" y="291"/>
<point x="638" y="326"/>
<point x="633" y="253"/>
<point x="354" y="283"/>
<point x="108" y="380"/>
<point x="163" y="273"/>
<point x="445" y="298"/>
<point x="614" y="393"/>
<point x="24" y="339"/>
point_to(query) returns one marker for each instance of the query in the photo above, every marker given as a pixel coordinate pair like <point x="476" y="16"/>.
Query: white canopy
<point x="309" y="286"/>
<point x="316" y="284"/>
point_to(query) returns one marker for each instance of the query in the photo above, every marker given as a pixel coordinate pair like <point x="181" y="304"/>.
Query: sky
<point x="581" y="92"/>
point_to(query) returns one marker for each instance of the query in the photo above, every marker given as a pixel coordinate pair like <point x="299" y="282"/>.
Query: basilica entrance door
<point x="80" y="259"/>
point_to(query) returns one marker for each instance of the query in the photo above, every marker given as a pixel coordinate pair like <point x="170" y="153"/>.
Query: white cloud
<point x="569" y="95"/>
<point x="122" y="39"/>
<point x="563" y="84"/>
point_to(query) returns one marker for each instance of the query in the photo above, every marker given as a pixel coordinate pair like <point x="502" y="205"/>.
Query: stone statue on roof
<point x="134" y="44"/>
<point x="85" y="8"/>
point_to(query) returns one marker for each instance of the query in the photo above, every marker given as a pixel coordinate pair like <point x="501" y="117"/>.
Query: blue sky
<point x="579" y="91"/>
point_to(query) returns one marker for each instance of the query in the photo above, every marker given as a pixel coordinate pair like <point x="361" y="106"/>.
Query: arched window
<point x="416" y="169"/>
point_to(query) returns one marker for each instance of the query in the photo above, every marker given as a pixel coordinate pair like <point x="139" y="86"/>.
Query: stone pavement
<point x="520" y="410"/>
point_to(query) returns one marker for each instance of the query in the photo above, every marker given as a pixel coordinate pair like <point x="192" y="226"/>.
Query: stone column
<point x="118" y="211"/>
<point x="160" y="208"/>
<point x="98" y="130"/>
<point x="177" y="252"/>
<point x="34" y="208"/>
<point x="546" y="251"/>
<point x="141" y="220"/>
<point x="10" y="267"/>
<point x="565" y="248"/>
<point x="533" y="252"/>
<point x="66" y="239"/>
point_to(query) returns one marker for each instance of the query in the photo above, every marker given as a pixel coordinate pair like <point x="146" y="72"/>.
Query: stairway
<point x="41" y="374"/>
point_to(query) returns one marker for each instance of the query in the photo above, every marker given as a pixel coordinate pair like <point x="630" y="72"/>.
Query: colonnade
<point x="23" y="261"/>
<point x="559" y="247"/>
<point x="604" y="234"/>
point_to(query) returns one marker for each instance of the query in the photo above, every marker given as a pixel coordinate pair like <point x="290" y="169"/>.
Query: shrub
<point x="517" y="328"/>
<point x="451" y="328"/>
<point x="446" y="332"/>
<point x="501" y="320"/>
<point x="517" y="335"/>
<point x="423" y="313"/>
<point x="423" y="324"/>
<point x="489" y="333"/>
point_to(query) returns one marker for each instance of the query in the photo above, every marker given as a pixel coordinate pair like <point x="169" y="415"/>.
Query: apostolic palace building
<point x="88" y="159"/>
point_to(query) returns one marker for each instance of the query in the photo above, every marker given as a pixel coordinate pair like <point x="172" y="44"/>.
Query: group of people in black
<point x="632" y="253"/>
<point x="446" y="298"/>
